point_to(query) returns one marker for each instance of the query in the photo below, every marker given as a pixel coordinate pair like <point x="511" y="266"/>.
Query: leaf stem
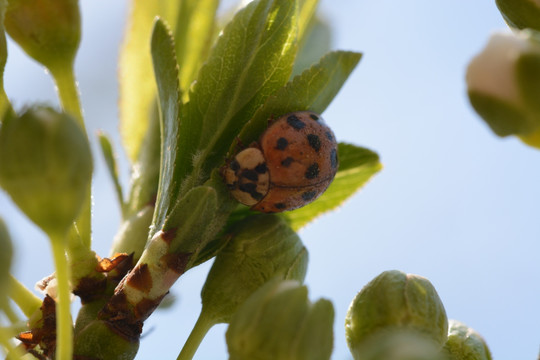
<point x="64" y="327"/>
<point x="68" y="93"/>
<point x="198" y="333"/>
<point x="23" y="297"/>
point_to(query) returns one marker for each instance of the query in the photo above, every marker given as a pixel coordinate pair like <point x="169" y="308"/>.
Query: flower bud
<point x="504" y="83"/>
<point x="262" y="247"/>
<point x="48" y="30"/>
<point x="45" y="166"/>
<point x="465" y="344"/>
<point x="279" y="322"/>
<point x="395" y="303"/>
<point x="521" y="14"/>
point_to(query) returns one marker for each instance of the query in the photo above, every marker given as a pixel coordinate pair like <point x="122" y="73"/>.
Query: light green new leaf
<point x="315" y="44"/>
<point x="356" y="166"/>
<point x="110" y="160"/>
<point x="251" y="60"/>
<point x="313" y="90"/>
<point x="166" y="73"/>
<point x="306" y="11"/>
<point x="193" y="37"/>
<point x="137" y="85"/>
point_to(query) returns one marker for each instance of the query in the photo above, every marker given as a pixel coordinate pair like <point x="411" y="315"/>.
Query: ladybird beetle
<point x="293" y="163"/>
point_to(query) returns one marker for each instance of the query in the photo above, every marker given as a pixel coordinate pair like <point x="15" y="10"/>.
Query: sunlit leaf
<point x="356" y="166"/>
<point x="193" y="37"/>
<point x="315" y="44"/>
<point x="251" y="60"/>
<point x="166" y="72"/>
<point x="137" y="86"/>
<point x="313" y="90"/>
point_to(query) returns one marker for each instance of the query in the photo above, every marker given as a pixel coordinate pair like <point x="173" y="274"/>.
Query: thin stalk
<point x="24" y="298"/>
<point x="197" y="335"/>
<point x="64" y="327"/>
<point x="68" y="92"/>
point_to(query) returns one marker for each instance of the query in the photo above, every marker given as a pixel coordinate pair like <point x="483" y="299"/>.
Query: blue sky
<point x="453" y="203"/>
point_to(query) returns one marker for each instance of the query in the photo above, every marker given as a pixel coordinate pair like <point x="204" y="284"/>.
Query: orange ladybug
<point x="291" y="165"/>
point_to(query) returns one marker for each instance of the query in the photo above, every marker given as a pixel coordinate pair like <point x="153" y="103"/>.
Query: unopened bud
<point x="279" y="322"/>
<point x="45" y="166"/>
<point x="48" y="30"/>
<point x="262" y="247"/>
<point x="504" y="83"/>
<point x="521" y="14"/>
<point x="464" y="343"/>
<point x="395" y="303"/>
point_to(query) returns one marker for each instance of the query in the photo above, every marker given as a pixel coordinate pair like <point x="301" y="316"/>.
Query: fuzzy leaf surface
<point x="251" y="60"/>
<point x="166" y="72"/>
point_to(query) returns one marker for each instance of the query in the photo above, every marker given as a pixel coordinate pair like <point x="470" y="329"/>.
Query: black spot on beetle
<point x="333" y="158"/>
<point x="314" y="141"/>
<point x="282" y="143"/>
<point x="295" y="122"/>
<point x="251" y="189"/>
<point x="308" y="195"/>
<point x="312" y="172"/>
<point x="250" y="174"/>
<point x="314" y="117"/>
<point x="234" y="166"/>
<point x="329" y="136"/>
<point x="261" y="168"/>
<point x="287" y="161"/>
<point x="280" y="206"/>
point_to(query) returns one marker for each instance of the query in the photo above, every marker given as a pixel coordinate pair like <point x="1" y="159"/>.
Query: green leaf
<point x="356" y="166"/>
<point x="313" y="90"/>
<point x="315" y="44"/>
<point x="193" y="37"/>
<point x="137" y="85"/>
<point x="306" y="11"/>
<point x="166" y="73"/>
<point x="251" y="60"/>
<point x="110" y="160"/>
<point x="4" y="101"/>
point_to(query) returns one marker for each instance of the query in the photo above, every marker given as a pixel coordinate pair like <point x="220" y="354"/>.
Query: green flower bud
<point x="521" y="14"/>
<point x="48" y="30"/>
<point x="6" y="253"/>
<point x="504" y="83"/>
<point x="395" y="301"/>
<point x="261" y="248"/>
<point x="279" y="322"/>
<point x="98" y="341"/>
<point x="45" y="166"/>
<point x="465" y="344"/>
